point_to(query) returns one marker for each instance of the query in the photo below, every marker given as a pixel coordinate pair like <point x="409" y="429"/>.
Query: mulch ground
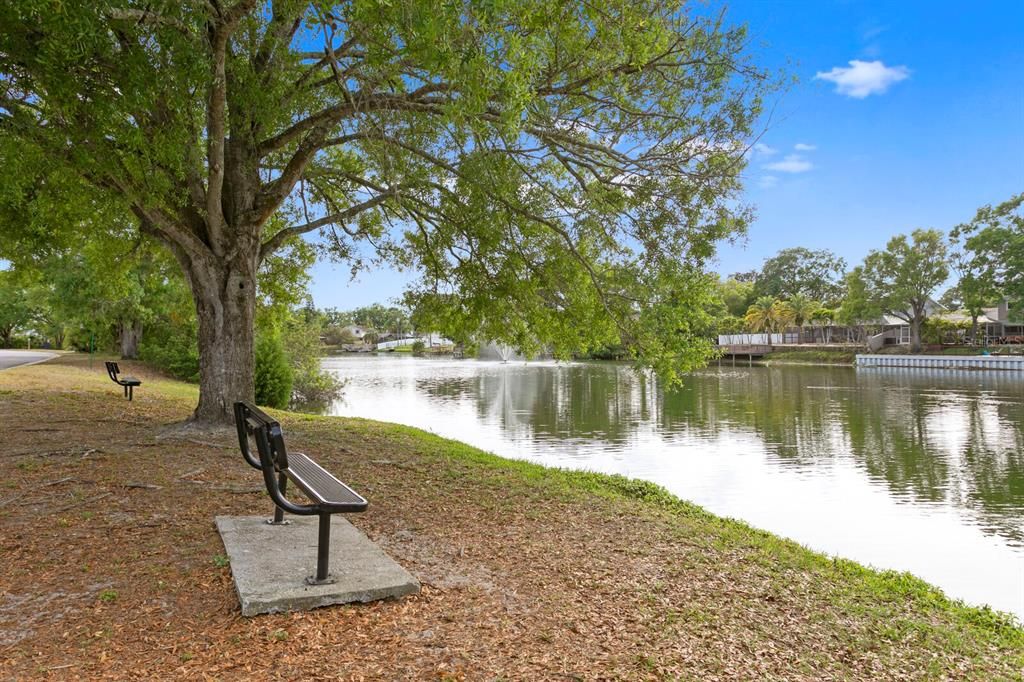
<point x="110" y="566"/>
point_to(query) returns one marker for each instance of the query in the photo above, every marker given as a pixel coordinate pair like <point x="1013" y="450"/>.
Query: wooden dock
<point x="747" y="351"/>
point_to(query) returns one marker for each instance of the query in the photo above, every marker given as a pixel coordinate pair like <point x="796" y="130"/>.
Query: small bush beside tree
<point x="273" y="373"/>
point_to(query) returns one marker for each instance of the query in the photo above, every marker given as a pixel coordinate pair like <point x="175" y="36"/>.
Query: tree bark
<point x="224" y="292"/>
<point x="131" y="334"/>
<point x="915" y="334"/>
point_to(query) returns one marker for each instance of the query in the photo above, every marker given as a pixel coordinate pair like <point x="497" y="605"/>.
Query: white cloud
<point x="792" y="163"/>
<point x="767" y="181"/>
<point x="801" y="147"/>
<point x="861" y="79"/>
<point x="764" y="150"/>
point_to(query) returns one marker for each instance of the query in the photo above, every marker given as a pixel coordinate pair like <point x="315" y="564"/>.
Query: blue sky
<point x="925" y="126"/>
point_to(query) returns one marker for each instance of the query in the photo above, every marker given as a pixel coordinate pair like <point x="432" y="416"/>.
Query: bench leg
<point x="278" y="520"/>
<point x="131" y="391"/>
<point x="323" y="553"/>
<point x="125" y="391"/>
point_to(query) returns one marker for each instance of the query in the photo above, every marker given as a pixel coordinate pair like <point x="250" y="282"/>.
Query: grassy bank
<point x="112" y="566"/>
<point x="812" y="357"/>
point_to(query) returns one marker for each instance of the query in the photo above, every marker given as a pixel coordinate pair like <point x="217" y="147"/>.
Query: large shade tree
<point x="815" y="274"/>
<point x="860" y="307"/>
<point x="992" y="261"/>
<point x="557" y="172"/>
<point x="902" y="278"/>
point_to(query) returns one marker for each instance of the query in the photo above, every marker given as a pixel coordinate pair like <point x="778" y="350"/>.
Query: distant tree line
<point x="800" y="287"/>
<point x="377" y="319"/>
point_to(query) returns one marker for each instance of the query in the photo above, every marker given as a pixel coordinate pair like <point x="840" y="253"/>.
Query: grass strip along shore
<point x="113" y="568"/>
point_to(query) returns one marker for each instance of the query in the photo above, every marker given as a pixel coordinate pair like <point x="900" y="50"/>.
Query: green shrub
<point x="172" y="348"/>
<point x="273" y="373"/>
<point x="937" y="330"/>
<point x="312" y="386"/>
<point x="417" y="347"/>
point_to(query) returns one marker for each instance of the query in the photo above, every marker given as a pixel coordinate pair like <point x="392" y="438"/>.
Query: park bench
<point x="128" y="382"/>
<point x="327" y="493"/>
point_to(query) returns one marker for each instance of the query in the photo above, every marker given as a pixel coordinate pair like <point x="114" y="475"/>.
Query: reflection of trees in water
<point x="604" y="402"/>
<point x="953" y="439"/>
<point x="793" y="417"/>
<point x="930" y="437"/>
<point x="450" y="388"/>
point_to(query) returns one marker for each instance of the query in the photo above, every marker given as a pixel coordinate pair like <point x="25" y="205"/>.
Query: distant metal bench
<point x="329" y="495"/>
<point x="128" y="382"/>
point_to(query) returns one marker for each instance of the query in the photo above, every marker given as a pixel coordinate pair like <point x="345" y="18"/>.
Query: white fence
<point x="429" y="340"/>
<point x="756" y="339"/>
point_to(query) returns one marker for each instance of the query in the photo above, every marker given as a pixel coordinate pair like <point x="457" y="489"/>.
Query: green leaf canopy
<point x="557" y="173"/>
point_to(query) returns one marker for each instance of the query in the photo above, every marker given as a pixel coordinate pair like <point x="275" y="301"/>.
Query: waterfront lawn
<point x="113" y="568"/>
<point x="813" y="357"/>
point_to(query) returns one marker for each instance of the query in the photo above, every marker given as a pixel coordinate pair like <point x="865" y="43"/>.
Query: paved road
<point x="13" y="358"/>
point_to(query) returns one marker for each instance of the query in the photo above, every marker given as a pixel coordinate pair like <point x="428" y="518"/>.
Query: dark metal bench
<point x="128" y="382"/>
<point x="328" y="494"/>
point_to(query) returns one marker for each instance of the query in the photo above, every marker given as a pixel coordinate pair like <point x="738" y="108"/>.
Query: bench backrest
<point x="112" y="370"/>
<point x="267" y="433"/>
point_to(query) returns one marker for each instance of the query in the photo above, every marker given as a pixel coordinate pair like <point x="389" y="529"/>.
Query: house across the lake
<point x="356" y="330"/>
<point x="995" y="326"/>
<point x="999" y="326"/>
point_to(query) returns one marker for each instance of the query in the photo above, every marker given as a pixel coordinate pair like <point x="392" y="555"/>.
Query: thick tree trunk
<point x="915" y="335"/>
<point x="131" y="334"/>
<point x="225" y="298"/>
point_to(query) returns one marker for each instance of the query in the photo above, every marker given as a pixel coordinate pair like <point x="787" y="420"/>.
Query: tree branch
<point x="138" y="16"/>
<point x="282" y="236"/>
<point x="216" y="121"/>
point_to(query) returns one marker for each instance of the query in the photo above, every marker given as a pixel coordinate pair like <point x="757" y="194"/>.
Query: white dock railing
<point x="1008" y="362"/>
<point x="396" y="343"/>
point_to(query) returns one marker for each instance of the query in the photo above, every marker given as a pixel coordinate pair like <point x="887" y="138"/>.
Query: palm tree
<point x="783" y="316"/>
<point x="803" y="310"/>
<point x="767" y="314"/>
<point x="759" y="314"/>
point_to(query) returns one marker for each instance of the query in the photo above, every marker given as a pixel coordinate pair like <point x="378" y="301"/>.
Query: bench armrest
<point x="273" y="487"/>
<point x="243" y="427"/>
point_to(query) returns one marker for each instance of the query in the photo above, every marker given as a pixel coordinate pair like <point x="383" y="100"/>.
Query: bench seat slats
<point x="321" y="486"/>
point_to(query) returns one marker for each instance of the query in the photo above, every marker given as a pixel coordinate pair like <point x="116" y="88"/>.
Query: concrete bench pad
<point x="270" y="564"/>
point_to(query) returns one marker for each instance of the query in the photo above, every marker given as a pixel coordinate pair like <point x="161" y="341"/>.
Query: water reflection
<point x="907" y="469"/>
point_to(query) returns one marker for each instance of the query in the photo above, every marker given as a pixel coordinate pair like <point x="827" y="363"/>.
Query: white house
<point x="998" y="326"/>
<point x="357" y="331"/>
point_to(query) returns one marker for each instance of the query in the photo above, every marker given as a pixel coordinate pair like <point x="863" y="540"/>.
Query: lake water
<point x="914" y="470"/>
